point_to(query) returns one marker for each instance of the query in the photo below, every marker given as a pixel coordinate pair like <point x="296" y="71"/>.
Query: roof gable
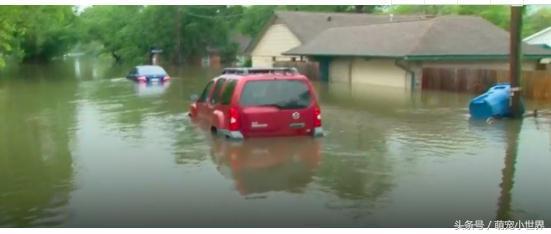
<point x="542" y="37"/>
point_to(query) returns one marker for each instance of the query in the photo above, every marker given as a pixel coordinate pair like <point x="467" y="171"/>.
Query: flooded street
<point x="81" y="146"/>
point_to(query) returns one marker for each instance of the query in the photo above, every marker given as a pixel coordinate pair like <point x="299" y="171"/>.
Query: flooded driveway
<point x="80" y="146"/>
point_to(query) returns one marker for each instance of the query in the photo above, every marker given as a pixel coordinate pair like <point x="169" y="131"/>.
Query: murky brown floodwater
<point x="82" y="147"/>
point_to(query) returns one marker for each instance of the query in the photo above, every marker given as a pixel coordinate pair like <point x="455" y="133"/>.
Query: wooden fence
<point x="535" y="84"/>
<point x="310" y="69"/>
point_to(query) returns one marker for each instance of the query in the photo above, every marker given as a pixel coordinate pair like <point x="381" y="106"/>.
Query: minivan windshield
<point x="284" y="94"/>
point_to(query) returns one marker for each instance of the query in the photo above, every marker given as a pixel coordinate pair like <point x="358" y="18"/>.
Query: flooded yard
<point x="81" y="146"/>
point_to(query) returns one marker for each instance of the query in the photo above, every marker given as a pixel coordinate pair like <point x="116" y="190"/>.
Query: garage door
<point x="378" y="72"/>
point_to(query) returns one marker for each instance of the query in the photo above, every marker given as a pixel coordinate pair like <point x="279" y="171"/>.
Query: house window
<point x="293" y="59"/>
<point x="273" y="59"/>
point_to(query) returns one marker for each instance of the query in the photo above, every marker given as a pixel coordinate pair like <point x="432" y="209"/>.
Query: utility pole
<point x="515" y="57"/>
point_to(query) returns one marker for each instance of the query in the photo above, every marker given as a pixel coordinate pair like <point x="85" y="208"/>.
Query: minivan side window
<point x="206" y="92"/>
<point x="215" y="98"/>
<point x="228" y="92"/>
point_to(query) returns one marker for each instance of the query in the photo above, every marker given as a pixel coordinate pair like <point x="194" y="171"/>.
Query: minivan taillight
<point x="166" y="78"/>
<point x="317" y="116"/>
<point x="234" y="119"/>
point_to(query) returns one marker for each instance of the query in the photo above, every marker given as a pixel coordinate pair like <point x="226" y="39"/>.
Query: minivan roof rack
<point x="250" y="70"/>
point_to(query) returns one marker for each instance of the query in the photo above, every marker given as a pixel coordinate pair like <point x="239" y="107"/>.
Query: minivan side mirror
<point x="194" y="98"/>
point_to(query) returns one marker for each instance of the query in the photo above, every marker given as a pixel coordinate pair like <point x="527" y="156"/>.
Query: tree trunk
<point x="178" y="35"/>
<point x="116" y="57"/>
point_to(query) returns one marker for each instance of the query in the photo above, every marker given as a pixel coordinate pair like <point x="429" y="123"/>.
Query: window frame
<point x="206" y="92"/>
<point x="226" y="95"/>
<point x="217" y="92"/>
<point x="311" y="95"/>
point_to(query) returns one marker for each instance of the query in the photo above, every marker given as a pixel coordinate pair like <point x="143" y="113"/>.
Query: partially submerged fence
<point x="535" y="84"/>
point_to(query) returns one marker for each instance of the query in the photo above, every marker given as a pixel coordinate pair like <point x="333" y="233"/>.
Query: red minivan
<point x="258" y="102"/>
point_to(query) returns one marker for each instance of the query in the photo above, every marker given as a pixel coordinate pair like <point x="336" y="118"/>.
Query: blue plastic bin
<point x="493" y="103"/>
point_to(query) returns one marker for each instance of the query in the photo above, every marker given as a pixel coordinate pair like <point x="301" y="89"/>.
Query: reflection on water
<point x="264" y="165"/>
<point x="81" y="146"/>
<point x="507" y="178"/>
<point x="36" y="129"/>
<point x="144" y="89"/>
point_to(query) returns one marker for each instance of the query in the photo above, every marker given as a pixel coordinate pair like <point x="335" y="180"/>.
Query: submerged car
<point x="253" y="102"/>
<point x="148" y="73"/>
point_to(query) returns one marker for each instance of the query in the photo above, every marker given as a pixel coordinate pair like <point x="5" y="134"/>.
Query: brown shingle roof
<point x="307" y="25"/>
<point x="440" y="36"/>
<point x="241" y="40"/>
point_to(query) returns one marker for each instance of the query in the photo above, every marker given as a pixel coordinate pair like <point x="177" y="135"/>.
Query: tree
<point x="499" y="15"/>
<point x="115" y="27"/>
<point x="254" y="18"/>
<point x="537" y="21"/>
<point x="8" y="19"/>
<point x="35" y="33"/>
<point x="48" y="31"/>
<point x="183" y="32"/>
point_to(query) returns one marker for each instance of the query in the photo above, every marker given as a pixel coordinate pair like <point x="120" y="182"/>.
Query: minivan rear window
<point x="284" y="94"/>
<point x="151" y="70"/>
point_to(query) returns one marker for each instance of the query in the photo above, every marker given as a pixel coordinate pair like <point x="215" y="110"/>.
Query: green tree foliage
<point x="49" y="31"/>
<point x="114" y="27"/>
<point x="539" y="20"/>
<point x="7" y="31"/>
<point x="36" y="33"/>
<point x="333" y="8"/>
<point x="254" y="18"/>
<point x="499" y="15"/>
<point x="182" y="32"/>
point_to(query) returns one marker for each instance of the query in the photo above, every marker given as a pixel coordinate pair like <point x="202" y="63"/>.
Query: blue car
<point x="148" y="73"/>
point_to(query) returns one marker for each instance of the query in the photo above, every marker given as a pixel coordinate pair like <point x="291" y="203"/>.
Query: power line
<point x="212" y="17"/>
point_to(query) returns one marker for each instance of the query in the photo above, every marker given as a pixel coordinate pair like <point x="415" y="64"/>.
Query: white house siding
<point x="378" y="72"/>
<point x="276" y="40"/>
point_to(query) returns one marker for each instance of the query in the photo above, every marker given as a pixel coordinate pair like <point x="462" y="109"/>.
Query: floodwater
<point x="80" y="146"/>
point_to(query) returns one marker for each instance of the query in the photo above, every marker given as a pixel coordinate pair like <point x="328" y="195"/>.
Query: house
<point x="395" y="53"/>
<point x="242" y="42"/>
<point x="542" y="38"/>
<point x="213" y="57"/>
<point x="289" y="29"/>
